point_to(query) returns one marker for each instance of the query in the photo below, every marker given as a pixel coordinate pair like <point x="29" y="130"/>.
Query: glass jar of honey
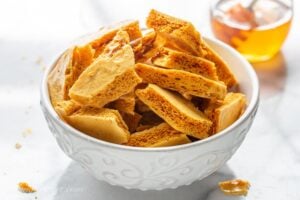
<point x="256" y="28"/>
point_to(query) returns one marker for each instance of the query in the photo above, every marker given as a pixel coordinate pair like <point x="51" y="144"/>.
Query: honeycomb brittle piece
<point x="180" y="33"/>
<point x="26" y="188"/>
<point x="184" y="82"/>
<point x="158" y="136"/>
<point x="131" y="120"/>
<point x="172" y="59"/>
<point x="178" y="112"/>
<point x="125" y="103"/>
<point x="224" y="72"/>
<point x="102" y="123"/>
<point x="224" y="113"/>
<point x="235" y="187"/>
<point x="109" y="77"/>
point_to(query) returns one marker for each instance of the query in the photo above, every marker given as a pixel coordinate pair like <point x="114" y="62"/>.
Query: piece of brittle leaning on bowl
<point x="159" y="87"/>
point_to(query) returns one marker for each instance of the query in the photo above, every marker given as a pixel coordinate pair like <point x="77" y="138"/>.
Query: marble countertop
<point x="34" y="32"/>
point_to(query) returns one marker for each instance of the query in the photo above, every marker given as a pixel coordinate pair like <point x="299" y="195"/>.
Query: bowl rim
<point x="253" y="103"/>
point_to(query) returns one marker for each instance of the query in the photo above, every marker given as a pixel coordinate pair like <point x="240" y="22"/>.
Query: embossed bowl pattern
<point x="158" y="168"/>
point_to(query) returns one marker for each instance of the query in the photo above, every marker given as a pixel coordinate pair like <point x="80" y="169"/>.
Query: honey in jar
<point x="257" y="32"/>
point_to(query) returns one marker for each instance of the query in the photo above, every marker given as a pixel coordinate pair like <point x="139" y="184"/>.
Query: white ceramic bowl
<point x="159" y="168"/>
